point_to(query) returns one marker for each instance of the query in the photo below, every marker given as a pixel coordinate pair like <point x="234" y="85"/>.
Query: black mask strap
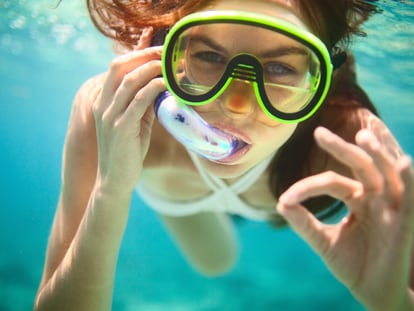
<point x="158" y="37"/>
<point x="338" y="57"/>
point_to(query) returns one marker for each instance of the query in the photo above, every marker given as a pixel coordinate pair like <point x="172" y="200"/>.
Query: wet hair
<point x="124" y="20"/>
<point x="334" y="22"/>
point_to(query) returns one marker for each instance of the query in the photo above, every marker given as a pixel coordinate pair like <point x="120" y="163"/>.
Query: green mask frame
<point x="300" y="100"/>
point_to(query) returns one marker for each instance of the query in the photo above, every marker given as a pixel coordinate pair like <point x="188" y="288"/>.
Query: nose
<point x="239" y="99"/>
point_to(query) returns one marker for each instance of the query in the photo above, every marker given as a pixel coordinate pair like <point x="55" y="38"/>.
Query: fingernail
<point x="148" y="29"/>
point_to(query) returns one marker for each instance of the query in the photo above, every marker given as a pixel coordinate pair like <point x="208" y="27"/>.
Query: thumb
<point x="145" y="39"/>
<point x="305" y="224"/>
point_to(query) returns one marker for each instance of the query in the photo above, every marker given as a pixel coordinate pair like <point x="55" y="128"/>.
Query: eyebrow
<point x="276" y="52"/>
<point x="207" y="41"/>
<point x="285" y="50"/>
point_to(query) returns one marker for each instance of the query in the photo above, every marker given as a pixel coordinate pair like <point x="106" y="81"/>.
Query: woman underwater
<point x="268" y="78"/>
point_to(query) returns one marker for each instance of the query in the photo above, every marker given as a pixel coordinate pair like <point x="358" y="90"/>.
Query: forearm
<point x="406" y="304"/>
<point x="84" y="279"/>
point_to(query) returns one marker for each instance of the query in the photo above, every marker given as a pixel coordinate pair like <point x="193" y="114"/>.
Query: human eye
<point x="209" y="57"/>
<point x="279" y="69"/>
<point x="282" y="73"/>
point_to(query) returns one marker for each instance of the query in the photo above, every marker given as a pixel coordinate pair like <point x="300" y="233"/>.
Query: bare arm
<point x="370" y="250"/>
<point x="107" y="142"/>
<point x="87" y="228"/>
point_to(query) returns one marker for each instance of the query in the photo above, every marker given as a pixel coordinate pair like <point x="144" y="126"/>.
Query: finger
<point x="404" y="166"/>
<point x="145" y="38"/>
<point x="405" y="232"/>
<point x="306" y="225"/>
<point x="361" y="163"/>
<point x="327" y="183"/>
<point x="143" y="101"/>
<point x="124" y="64"/>
<point x="130" y="86"/>
<point x="385" y="163"/>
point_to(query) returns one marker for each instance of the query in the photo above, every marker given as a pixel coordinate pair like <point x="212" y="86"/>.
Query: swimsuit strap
<point x="248" y="179"/>
<point x="213" y="182"/>
<point x="241" y="185"/>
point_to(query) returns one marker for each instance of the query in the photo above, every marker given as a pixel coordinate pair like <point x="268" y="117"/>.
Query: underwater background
<point x="46" y="53"/>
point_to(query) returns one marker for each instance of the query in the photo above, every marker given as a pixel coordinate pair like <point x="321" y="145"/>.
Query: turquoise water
<point x="45" y="54"/>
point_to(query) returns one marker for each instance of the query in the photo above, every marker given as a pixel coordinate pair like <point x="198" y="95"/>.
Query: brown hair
<point x="335" y="22"/>
<point x="124" y="20"/>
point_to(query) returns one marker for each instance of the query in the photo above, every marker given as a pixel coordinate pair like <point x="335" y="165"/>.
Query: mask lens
<point x="199" y="60"/>
<point x="286" y="78"/>
<point x="290" y="75"/>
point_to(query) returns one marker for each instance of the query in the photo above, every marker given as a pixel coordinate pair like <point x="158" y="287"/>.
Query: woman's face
<point x="237" y="111"/>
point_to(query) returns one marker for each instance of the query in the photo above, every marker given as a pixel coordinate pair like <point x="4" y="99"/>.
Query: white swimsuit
<point x="224" y="198"/>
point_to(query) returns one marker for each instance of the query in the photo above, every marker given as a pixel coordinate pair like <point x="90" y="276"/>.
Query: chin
<point x="228" y="170"/>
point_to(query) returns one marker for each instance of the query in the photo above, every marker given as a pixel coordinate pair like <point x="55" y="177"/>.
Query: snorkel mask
<point x="288" y="68"/>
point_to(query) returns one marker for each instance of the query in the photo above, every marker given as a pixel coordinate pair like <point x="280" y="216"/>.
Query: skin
<point x="113" y="143"/>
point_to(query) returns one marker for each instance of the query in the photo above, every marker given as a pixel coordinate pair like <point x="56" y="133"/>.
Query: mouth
<point x="233" y="132"/>
<point x="240" y="150"/>
<point x="240" y="142"/>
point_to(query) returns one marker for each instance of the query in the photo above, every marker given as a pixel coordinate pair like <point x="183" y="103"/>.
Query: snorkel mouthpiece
<point x="186" y="126"/>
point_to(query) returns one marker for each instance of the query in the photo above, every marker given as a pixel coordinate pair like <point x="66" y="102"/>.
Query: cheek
<point x="211" y="107"/>
<point x="275" y="137"/>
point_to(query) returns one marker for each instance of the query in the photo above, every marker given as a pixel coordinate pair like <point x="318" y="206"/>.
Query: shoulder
<point x="82" y="108"/>
<point x="81" y="131"/>
<point x="87" y="95"/>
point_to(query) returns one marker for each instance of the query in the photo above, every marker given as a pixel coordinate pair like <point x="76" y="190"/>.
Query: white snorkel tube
<point x="186" y="126"/>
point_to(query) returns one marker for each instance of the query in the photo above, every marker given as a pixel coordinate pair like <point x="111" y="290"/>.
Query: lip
<point x="235" y="156"/>
<point x="244" y="140"/>
<point x="232" y="131"/>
